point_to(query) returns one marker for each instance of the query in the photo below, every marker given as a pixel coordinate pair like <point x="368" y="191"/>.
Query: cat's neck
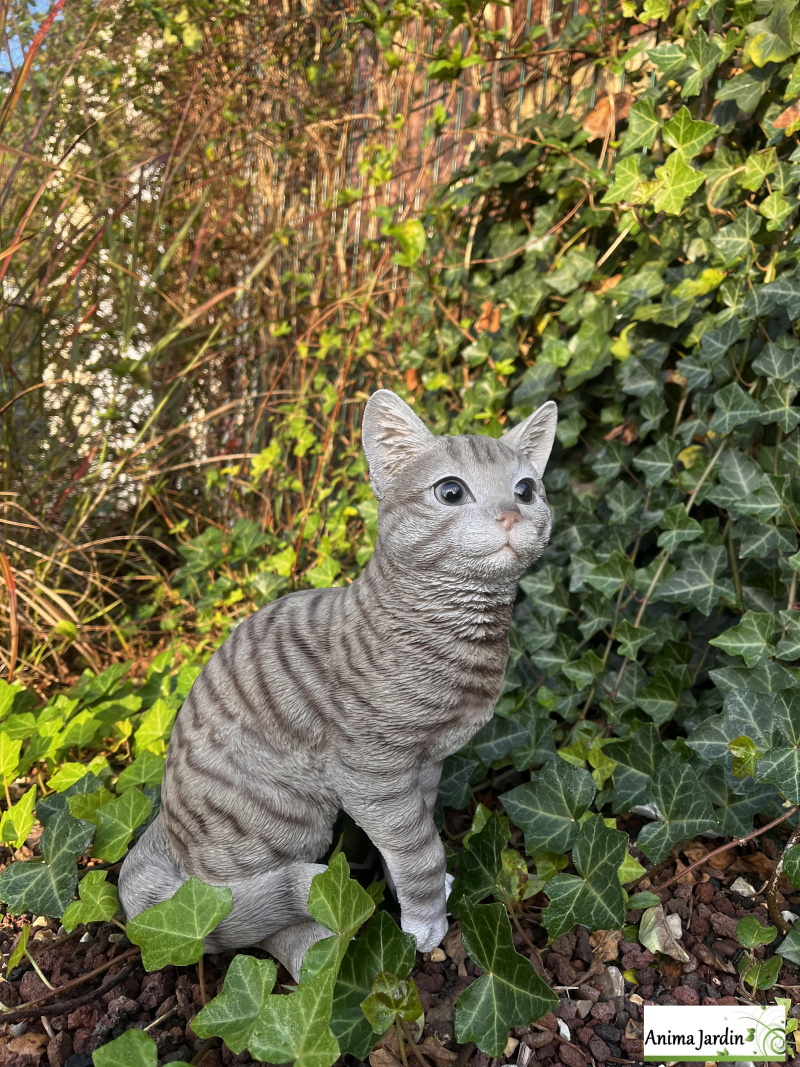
<point x="472" y="608"/>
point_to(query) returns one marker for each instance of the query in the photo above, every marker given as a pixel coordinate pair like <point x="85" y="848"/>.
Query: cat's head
<point x="470" y="506"/>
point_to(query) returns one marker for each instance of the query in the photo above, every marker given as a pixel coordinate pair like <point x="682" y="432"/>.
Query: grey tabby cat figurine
<point x="350" y="698"/>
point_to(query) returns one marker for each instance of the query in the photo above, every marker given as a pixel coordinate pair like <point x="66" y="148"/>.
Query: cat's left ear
<point x="534" y="436"/>
<point x="392" y="435"/>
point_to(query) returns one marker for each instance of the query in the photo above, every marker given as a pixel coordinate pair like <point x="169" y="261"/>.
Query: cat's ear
<point x="391" y="434"/>
<point x="534" y="436"/>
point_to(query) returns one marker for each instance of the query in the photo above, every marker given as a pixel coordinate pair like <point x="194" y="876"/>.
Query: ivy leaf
<point x="757" y="166"/>
<point x="595" y="898"/>
<point x="750" y="638"/>
<point x="677" y="527"/>
<point x="340" y="904"/>
<point x="637" y="759"/>
<point x="745" y="757"/>
<point x="19" y="950"/>
<point x="98" y="902"/>
<point x="627" y="176"/>
<point x="789" y="948"/>
<point x="548" y="809"/>
<point x="172" y="932"/>
<point x="46" y="888"/>
<point x="669" y="57"/>
<point x="9" y="756"/>
<point x="780" y="359"/>
<point x="454" y="791"/>
<point x="750" y="933"/>
<point x="643" y="125"/>
<point x="746" y="89"/>
<point x="736" y="240"/>
<point x="703" y="56"/>
<point x="147" y="770"/>
<point x="234" y="1013"/>
<point x="677" y="180"/>
<point x="480" y="862"/>
<point x="781" y="766"/>
<point x="296" y="1027"/>
<point x="87" y="805"/>
<point x="791" y="865"/>
<point x="50" y="806"/>
<point x="631" y="638"/>
<point x="688" y="136"/>
<point x="697" y="583"/>
<point x="134" y="1048"/>
<point x="778" y="406"/>
<point x="382" y="947"/>
<point x="155" y="727"/>
<point x="116" y="823"/>
<point x="734" y="407"/>
<point x="683" y="805"/>
<point x="657" y="463"/>
<point x="17" y="821"/>
<point x="410" y="235"/>
<point x="611" y="576"/>
<point x="509" y="993"/>
<point x="770" y="39"/>
<point x="391" y="997"/>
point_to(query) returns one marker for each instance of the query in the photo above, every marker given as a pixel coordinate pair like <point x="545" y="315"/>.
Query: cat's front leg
<point x="391" y="808"/>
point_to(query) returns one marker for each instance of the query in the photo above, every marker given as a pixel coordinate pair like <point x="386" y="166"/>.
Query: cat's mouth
<point x="507" y="547"/>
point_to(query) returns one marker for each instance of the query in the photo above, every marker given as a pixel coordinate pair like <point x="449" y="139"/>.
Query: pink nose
<point x="508" y="518"/>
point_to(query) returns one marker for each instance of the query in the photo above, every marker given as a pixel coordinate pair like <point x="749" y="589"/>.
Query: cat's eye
<point x="451" y="491"/>
<point x="524" y="490"/>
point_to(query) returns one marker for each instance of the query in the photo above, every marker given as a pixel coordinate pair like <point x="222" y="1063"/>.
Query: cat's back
<point x="264" y="684"/>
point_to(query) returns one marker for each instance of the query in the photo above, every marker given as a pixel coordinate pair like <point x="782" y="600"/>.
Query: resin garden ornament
<point x="350" y="698"/>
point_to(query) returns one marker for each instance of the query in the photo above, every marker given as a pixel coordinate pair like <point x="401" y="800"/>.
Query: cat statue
<point x="350" y="698"/>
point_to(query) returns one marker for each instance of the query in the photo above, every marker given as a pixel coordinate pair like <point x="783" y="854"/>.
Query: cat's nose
<point x="508" y="518"/>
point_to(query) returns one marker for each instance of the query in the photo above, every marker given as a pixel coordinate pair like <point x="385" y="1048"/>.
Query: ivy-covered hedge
<point x="648" y="279"/>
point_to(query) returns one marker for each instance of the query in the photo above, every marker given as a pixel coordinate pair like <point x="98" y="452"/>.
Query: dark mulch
<point x="595" y="1023"/>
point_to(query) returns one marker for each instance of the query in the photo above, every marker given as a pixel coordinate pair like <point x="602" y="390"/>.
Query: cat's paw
<point x="448" y="885"/>
<point x="428" y="933"/>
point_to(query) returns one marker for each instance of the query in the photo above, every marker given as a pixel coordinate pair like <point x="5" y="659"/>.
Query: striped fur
<point x="349" y="699"/>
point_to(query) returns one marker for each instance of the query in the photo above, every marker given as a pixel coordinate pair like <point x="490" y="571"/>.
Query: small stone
<point x="604" y="1012"/>
<point x="584" y="1007"/>
<point x="59" y="1049"/>
<point x="566" y="1010"/>
<point x="608" y="1033"/>
<point x="78" y="1059"/>
<point x="684" y="995"/>
<point x="571" y="1056"/>
<point x="610" y="983"/>
<point x="116" y="938"/>
<point x="704" y="892"/>
<point x="511" y="1046"/>
<point x="589" y="992"/>
<point x="743" y="888"/>
<point x="599" y="1049"/>
<point x="438" y="955"/>
<point x="540" y="1039"/>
